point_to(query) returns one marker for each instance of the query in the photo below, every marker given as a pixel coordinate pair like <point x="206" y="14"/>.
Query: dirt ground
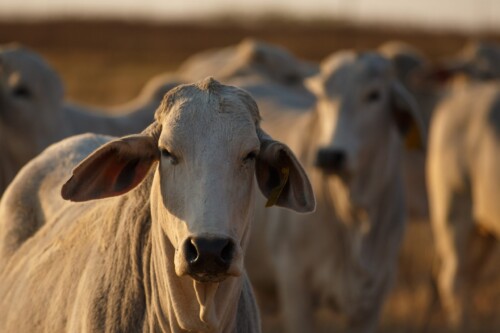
<point x="107" y="63"/>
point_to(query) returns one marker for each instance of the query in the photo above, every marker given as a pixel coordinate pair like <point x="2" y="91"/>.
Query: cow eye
<point x="292" y="79"/>
<point x="167" y="155"/>
<point x="21" y="92"/>
<point x="373" y="96"/>
<point x="251" y="156"/>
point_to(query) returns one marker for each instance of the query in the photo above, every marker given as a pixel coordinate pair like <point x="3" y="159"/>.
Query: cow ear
<point x="113" y="169"/>
<point x="407" y="117"/>
<point x="281" y="178"/>
<point x="315" y="85"/>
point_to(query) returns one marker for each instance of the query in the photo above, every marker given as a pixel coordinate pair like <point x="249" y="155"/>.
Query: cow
<point x="34" y="113"/>
<point x="344" y="254"/>
<point x="250" y="57"/>
<point x="154" y="233"/>
<point x="463" y="181"/>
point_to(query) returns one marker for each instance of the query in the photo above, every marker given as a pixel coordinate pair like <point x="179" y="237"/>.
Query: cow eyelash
<point x="251" y="156"/>
<point x="166" y="154"/>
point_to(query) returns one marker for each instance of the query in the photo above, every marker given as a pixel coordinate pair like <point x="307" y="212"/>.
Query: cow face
<point x="208" y="146"/>
<point x="360" y="105"/>
<point x="211" y="148"/>
<point x="31" y="93"/>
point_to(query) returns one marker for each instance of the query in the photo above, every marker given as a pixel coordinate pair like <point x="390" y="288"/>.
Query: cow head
<point x="360" y="105"/>
<point x="31" y="96"/>
<point x="208" y="145"/>
<point x="30" y="90"/>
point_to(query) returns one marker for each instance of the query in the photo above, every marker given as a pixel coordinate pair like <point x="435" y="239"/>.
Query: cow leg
<point x="295" y="296"/>
<point x="366" y="318"/>
<point x="366" y="321"/>
<point x="452" y="224"/>
<point x="482" y="245"/>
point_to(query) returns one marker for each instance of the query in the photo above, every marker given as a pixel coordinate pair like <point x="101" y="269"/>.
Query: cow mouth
<point x="331" y="170"/>
<point x="214" y="275"/>
<point x="207" y="277"/>
<point x="343" y="174"/>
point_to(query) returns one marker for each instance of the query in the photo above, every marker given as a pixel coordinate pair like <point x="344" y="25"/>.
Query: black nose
<point x="208" y="258"/>
<point x="331" y="160"/>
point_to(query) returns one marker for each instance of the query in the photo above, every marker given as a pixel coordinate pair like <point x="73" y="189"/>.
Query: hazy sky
<point x="456" y="14"/>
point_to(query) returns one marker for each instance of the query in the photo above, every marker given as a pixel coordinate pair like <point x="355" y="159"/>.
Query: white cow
<point x="33" y="113"/>
<point x="454" y="104"/>
<point x="249" y="58"/>
<point x="157" y="238"/>
<point x="463" y="170"/>
<point x="344" y="254"/>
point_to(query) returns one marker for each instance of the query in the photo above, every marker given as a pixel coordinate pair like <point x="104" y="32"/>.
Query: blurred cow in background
<point x="350" y="144"/>
<point x="464" y="189"/>
<point x="430" y="83"/>
<point x="461" y="110"/>
<point x="33" y="113"/>
<point x="249" y="58"/>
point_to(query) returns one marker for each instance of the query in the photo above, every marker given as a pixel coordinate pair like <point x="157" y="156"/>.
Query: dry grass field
<point x="107" y="63"/>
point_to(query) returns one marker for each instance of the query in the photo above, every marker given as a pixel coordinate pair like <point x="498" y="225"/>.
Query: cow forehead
<point x="220" y="98"/>
<point x="345" y="70"/>
<point x="20" y="65"/>
<point x="199" y="114"/>
<point x="22" y="59"/>
<point x="25" y="64"/>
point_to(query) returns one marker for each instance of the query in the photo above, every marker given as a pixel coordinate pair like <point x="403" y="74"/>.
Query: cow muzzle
<point x="330" y="160"/>
<point x="208" y="259"/>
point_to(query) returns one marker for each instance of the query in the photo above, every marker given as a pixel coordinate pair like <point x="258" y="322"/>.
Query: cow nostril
<point x="329" y="159"/>
<point x="338" y="158"/>
<point x="190" y="250"/>
<point x="208" y="258"/>
<point x="227" y="252"/>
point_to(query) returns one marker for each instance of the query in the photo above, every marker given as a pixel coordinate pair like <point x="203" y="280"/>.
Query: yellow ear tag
<point x="413" y="139"/>
<point x="276" y="192"/>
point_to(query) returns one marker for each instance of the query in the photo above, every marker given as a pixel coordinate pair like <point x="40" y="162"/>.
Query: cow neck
<point x="120" y="297"/>
<point x="362" y="197"/>
<point x="15" y="151"/>
<point x="353" y="200"/>
<point x="349" y="211"/>
<point x="362" y="229"/>
<point x="180" y="304"/>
